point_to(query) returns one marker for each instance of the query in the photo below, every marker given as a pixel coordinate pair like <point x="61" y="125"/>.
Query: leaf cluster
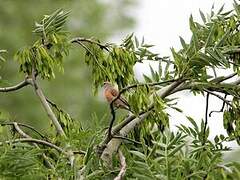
<point x="48" y="51"/>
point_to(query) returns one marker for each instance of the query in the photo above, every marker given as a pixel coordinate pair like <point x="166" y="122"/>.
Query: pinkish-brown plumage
<point x="111" y="93"/>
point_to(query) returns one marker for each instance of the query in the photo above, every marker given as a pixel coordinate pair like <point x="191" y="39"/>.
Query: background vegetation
<point x="137" y="145"/>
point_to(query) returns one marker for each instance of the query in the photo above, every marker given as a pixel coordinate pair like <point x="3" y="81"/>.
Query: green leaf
<point x="222" y="40"/>
<point x="183" y="43"/>
<point x="210" y="36"/>
<point x="192" y="24"/>
<point x="202" y="16"/>
<point x="221" y="9"/>
<point x="136" y="42"/>
<point x="138" y="154"/>
<point x="192" y="122"/>
<point x="216" y="139"/>
<point x="176" y="149"/>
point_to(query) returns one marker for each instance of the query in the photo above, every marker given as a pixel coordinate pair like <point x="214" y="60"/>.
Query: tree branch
<point x="45" y="105"/>
<point x="16" y="87"/>
<point x="223" y="78"/>
<point x="221" y="110"/>
<point x="206" y="120"/>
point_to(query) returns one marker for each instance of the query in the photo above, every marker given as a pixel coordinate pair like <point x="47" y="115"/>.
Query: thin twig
<point x="211" y="85"/>
<point x="91" y="41"/>
<point x="79" y="152"/>
<point x="206" y="119"/>
<point x="54" y="105"/>
<point x="112" y="121"/>
<point x="218" y="96"/>
<point x="221" y="110"/>
<point x="142" y="84"/>
<point x="123" y="166"/>
<point x="95" y="58"/>
<point x="16" y="87"/>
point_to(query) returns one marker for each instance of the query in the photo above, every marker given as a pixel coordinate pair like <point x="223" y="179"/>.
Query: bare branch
<point x="112" y="121"/>
<point x="79" y="152"/>
<point x="45" y="105"/>
<point x="123" y="165"/>
<point x="221" y="110"/>
<point x="19" y="130"/>
<point x="220" y="97"/>
<point x="16" y="87"/>
<point x="206" y="120"/>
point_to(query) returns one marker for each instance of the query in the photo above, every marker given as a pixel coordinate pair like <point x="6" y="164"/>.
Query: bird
<point x="111" y="93"/>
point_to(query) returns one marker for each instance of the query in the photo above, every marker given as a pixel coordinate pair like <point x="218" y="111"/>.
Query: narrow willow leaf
<point x="202" y="16"/>
<point x="192" y="24"/>
<point x="160" y="68"/>
<point x="212" y="10"/>
<point x="138" y="154"/>
<point x="222" y="40"/>
<point x="183" y="43"/>
<point x="210" y="36"/>
<point x="192" y="122"/>
<point x="221" y="9"/>
<point x="136" y="42"/>
<point x="176" y="149"/>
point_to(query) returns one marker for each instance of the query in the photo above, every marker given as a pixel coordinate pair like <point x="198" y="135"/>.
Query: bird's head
<point x="107" y="84"/>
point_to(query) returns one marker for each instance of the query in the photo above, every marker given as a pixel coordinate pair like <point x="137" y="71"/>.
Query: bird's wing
<point x="114" y="92"/>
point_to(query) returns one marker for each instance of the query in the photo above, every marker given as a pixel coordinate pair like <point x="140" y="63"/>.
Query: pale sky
<point x="161" y="22"/>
